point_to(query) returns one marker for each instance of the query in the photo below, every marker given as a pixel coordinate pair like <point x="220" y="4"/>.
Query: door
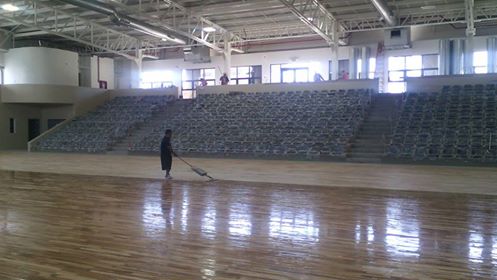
<point x="33" y="128"/>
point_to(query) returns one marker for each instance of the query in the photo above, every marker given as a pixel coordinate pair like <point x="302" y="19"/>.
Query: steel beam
<point x="76" y="29"/>
<point x="313" y="14"/>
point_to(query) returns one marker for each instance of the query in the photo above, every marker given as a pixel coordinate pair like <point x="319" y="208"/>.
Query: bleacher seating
<point x="98" y="130"/>
<point x="283" y="124"/>
<point x="458" y="123"/>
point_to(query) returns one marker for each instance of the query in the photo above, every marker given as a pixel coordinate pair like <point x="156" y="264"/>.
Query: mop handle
<point x="184" y="161"/>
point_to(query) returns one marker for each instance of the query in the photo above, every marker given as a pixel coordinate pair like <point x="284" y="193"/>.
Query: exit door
<point x="33" y="128"/>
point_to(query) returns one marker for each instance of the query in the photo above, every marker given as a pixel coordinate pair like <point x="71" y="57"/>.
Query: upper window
<point x="244" y="75"/>
<point x="191" y="79"/>
<point x="292" y="72"/>
<point x="401" y="67"/>
<point x="156" y="79"/>
<point x="480" y="62"/>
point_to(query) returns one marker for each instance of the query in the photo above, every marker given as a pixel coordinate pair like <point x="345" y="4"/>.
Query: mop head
<point x="199" y="171"/>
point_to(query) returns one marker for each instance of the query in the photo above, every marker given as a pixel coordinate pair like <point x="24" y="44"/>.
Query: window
<point x="359" y="69"/>
<point x="156" y="79"/>
<point x="371" y="68"/>
<point x="401" y="67"/>
<point x="191" y="79"/>
<point x="480" y="62"/>
<point x="244" y="75"/>
<point x="12" y="125"/>
<point x="430" y="65"/>
<point x="290" y="73"/>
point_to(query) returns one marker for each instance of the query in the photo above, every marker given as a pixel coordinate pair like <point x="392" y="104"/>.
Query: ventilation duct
<point x="383" y="9"/>
<point x="124" y="20"/>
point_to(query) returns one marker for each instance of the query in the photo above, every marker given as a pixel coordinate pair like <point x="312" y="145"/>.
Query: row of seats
<point x="458" y="123"/>
<point x="280" y="124"/>
<point x="98" y="130"/>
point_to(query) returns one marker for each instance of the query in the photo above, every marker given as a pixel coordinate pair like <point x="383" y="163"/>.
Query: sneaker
<point x="169" y="177"/>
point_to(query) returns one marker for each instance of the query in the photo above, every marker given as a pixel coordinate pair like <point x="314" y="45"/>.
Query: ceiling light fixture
<point x="10" y="7"/>
<point x="209" y="29"/>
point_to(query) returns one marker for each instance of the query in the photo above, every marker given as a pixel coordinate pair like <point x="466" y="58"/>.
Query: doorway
<point x="33" y="128"/>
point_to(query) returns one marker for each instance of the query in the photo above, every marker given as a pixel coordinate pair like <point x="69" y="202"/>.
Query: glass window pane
<point x="211" y="82"/>
<point x="359" y="69"/>
<point x="371" y="75"/>
<point x="414" y="62"/>
<point x="275" y="74"/>
<point x="210" y="73"/>
<point x="302" y="75"/>
<point x="196" y="74"/>
<point x="396" y="87"/>
<point x="187" y="75"/>
<point x="233" y="73"/>
<point x="256" y="71"/>
<point x="430" y="61"/>
<point x="480" y="58"/>
<point x="481" y="70"/>
<point x="243" y="72"/>
<point x="187" y="85"/>
<point x="288" y="76"/>
<point x="414" y="73"/>
<point x="396" y="63"/>
<point x="372" y="64"/>
<point x="396" y="76"/>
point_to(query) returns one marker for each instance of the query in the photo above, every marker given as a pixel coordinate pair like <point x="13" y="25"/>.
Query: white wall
<point x="320" y="57"/>
<point x="102" y="69"/>
<point x="36" y="65"/>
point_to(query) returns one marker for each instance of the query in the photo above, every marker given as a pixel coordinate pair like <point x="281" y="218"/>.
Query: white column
<point x="227" y="57"/>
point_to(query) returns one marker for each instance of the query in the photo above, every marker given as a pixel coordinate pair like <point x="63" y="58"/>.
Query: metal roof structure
<point x="125" y="26"/>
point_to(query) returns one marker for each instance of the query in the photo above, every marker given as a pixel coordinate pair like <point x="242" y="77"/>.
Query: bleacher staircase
<point x="156" y="121"/>
<point x="370" y="142"/>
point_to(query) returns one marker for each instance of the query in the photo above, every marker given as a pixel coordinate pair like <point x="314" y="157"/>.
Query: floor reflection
<point x="295" y="224"/>
<point x="240" y="219"/>
<point x="152" y="215"/>
<point x="402" y="228"/>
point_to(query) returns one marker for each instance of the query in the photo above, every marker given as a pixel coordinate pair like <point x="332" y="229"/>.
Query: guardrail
<point x="51" y="130"/>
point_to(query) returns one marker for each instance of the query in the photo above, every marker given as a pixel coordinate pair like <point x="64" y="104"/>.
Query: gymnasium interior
<point x="354" y="139"/>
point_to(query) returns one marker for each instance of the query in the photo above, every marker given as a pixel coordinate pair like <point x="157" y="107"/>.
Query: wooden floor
<point x="477" y="180"/>
<point x="75" y="227"/>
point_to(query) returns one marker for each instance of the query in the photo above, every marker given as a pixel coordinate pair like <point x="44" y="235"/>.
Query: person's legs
<point x="168" y="167"/>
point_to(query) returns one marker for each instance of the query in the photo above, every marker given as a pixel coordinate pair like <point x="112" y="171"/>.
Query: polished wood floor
<point x="78" y="227"/>
<point x="478" y="180"/>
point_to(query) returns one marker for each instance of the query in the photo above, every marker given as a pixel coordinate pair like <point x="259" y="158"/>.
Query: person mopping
<point x="166" y="153"/>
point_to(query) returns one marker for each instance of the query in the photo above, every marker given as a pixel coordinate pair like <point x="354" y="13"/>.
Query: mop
<point x="197" y="170"/>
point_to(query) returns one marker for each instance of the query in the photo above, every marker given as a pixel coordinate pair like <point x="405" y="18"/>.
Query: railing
<point x="51" y="130"/>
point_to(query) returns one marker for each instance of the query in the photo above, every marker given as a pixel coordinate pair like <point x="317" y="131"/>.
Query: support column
<point x="334" y="52"/>
<point x="470" y="34"/>
<point x="365" y="62"/>
<point x="334" y="63"/>
<point x="227" y="57"/>
<point x="492" y="54"/>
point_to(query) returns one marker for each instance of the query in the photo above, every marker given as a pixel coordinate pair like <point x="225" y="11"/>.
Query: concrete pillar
<point x="227" y="58"/>
<point x="334" y="62"/>
<point x="468" y="54"/>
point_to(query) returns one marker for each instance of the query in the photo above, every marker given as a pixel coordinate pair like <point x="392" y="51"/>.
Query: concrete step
<point x="364" y="160"/>
<point x="367" y="149"/>
<point x="365" y="155"/>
